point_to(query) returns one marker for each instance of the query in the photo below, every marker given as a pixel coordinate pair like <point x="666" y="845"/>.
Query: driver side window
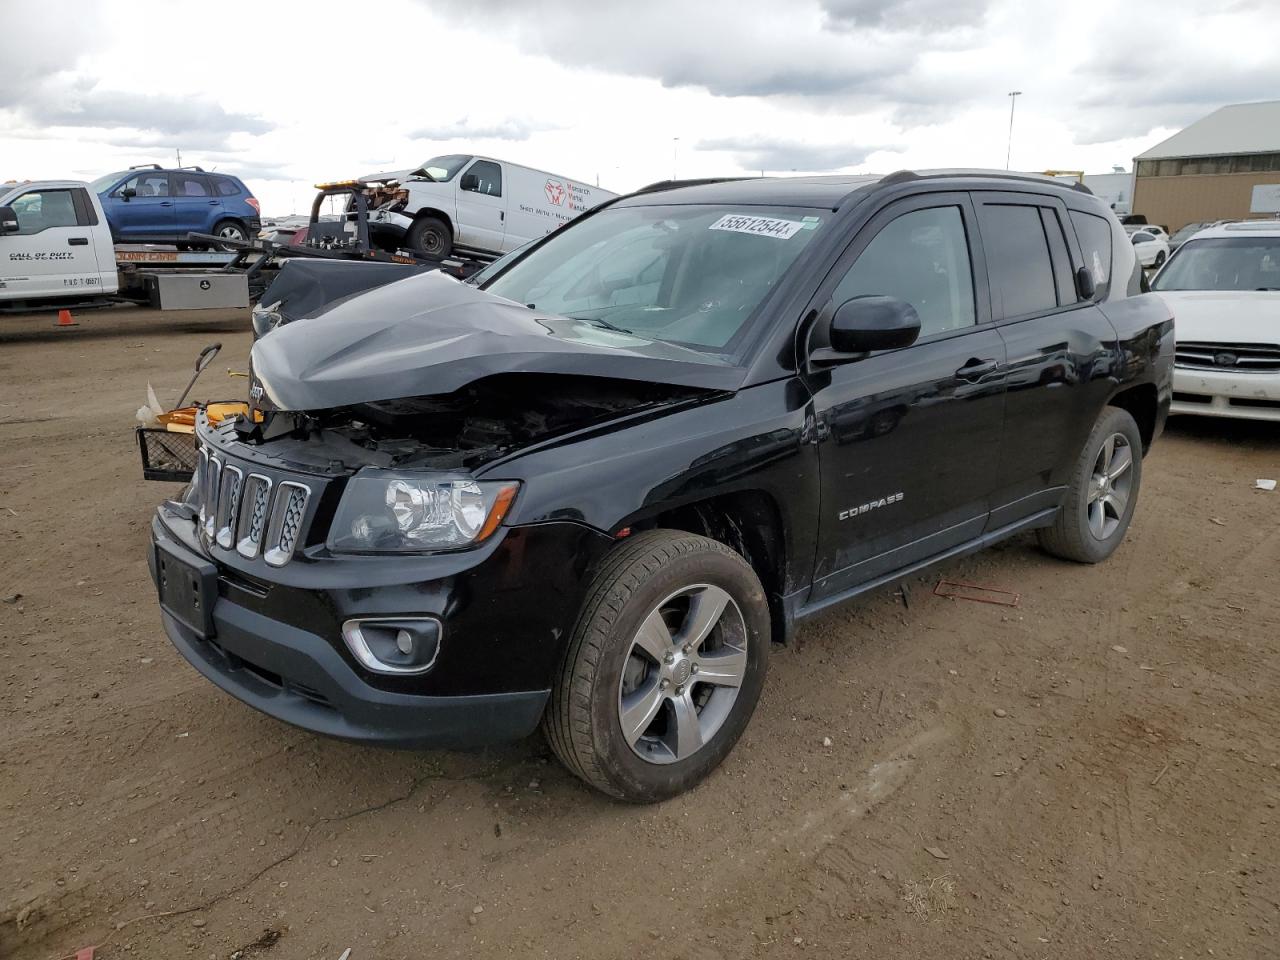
<point x="148" y="185"/>
<point x="921" y="257"/>
<point x="41" y="209"/>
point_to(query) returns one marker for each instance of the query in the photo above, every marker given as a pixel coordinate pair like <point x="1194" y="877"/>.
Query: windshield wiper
<point x="603" y="323"/>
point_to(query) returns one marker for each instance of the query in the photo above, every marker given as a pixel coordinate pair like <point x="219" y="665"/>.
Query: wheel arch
<point x="748" y="522"/>
<point x="1141" y="401"/>
<point x="438" y="214"/>
<point x="238" y="221"/>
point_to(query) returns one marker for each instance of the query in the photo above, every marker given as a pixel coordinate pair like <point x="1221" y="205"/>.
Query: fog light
<point x="397" y="645"/>
<point x="404" y="642"/>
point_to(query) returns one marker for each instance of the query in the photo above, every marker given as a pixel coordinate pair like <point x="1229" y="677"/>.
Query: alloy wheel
<point x="682" y="674"/>
<point x="1110" y="486"/>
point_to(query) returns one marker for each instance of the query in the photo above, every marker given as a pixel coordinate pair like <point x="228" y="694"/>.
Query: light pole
<point x="1013" y="101"/>
<point x="675" y="156"/>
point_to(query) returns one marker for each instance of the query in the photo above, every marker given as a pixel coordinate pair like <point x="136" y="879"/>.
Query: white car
<point x="1152" y="248"/>
<point x="1223" y="286"/>
<point x="477" y="204"/>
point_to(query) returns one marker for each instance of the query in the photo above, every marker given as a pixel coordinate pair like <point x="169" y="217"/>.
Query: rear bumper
<point x="1210" y="393"/>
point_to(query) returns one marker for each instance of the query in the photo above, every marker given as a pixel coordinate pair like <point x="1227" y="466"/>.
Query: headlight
<point x="388" y="512"/>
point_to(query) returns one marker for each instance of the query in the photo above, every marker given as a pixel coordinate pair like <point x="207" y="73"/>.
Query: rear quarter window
<point x="227" y="188"/>
<point x="1094" y="234"/>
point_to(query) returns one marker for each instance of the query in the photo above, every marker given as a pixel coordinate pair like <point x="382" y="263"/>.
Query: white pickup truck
<point x="475" y="204"/>
<point x="54" y="242"/>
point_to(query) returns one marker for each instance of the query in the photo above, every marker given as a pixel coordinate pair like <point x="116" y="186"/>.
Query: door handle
<point x="166" y="203"/>
<point x="77" y="241"/>
<point x="976" y="369"/>
<point x="213" y="203"/>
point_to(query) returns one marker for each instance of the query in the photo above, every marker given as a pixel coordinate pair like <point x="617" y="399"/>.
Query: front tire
<point x="664" y="667"/>
<point x="1102" y="493"/>
<point x="430" y="237"/>
<point x="1160" y="258"/>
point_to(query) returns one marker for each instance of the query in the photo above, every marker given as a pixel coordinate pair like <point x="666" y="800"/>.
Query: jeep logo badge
<point x="1224" y="359"/>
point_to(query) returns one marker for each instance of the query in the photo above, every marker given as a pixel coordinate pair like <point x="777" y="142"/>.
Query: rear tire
<point x="1160" y="258"/>
<point x="230" y="230"/>
<point x="430" y="237"/>
<point x="663" y="669"/>
<point x="1102" y="494"/>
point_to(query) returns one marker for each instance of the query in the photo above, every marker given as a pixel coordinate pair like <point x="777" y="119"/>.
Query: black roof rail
<point x="900" y="176"/>
<point x="196" y="169"/>
<point x="147" y="166"/>
<point x="660" y="185"/>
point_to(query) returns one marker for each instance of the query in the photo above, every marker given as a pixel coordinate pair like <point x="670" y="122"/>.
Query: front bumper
<point x="278" y="647"/>
<point x="1212" y="393"/>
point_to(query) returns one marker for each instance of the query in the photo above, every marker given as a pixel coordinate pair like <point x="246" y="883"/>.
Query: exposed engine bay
<point x="474" y="425"/>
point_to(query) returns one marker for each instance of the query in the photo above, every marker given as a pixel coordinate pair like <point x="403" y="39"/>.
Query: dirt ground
<point x="1094" y="773"/>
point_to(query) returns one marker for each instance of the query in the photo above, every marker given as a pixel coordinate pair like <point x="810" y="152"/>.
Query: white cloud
<point x="604" y="89"/>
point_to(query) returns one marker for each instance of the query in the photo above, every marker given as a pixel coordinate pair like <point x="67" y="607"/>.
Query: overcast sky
<point x="288" y="93"/>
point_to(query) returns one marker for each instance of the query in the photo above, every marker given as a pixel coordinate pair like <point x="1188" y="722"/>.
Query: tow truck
<point x="56" y="250"/>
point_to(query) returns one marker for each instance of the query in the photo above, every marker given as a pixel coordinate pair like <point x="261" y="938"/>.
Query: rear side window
<point x="189" y="185"/>
<point x="227" y="188"/>
<point x="1017" y="260"/>
<point x="1094" y="234"/>
<point x="922" y="257"/>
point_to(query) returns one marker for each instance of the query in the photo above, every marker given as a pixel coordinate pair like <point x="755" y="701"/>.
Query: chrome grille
<point x="224" y="519"/>
<point x="252" y="514"/>
<point x="1236" y="357"/>
<point x="209" y="494"/>
<point x="286" y="522"/>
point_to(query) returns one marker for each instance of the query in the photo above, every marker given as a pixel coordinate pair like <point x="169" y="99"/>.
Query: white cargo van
<point x="54" y="242"/>
<point x="475" y="204"/>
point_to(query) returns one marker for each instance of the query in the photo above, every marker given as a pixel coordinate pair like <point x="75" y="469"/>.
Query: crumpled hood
<point x="433" y="335"/>
<point x="1225" y="316"/>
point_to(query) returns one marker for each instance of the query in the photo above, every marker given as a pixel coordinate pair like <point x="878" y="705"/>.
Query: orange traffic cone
<point x="64" y="319"/>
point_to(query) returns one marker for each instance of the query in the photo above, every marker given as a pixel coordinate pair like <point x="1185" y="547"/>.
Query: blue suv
<point x="151" y="204"/>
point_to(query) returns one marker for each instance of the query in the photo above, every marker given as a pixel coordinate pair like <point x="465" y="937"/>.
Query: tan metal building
<point x="1208" y="171"/>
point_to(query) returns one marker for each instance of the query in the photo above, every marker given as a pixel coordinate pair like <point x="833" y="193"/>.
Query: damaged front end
<point x="475" y="425"/>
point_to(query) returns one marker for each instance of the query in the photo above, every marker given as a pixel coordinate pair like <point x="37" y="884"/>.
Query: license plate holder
<point x="188" y="588"/>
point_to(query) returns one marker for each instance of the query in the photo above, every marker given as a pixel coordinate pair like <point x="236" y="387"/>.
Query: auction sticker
<point x="760" y="226"/>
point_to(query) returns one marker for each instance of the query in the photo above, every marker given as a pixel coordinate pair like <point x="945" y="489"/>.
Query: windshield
<point x="443" y="168"/>
<point x="103" y="182"/>
<point x="483" y="276"/>
<point x="1224" y="263"/>
<point x="692" y="275"/>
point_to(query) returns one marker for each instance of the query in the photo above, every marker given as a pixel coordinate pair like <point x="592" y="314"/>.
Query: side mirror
<point x="1085" y="286"/>
<point x="8" y="220"/>
<point x="470" y="182"/>
<point x="867" y="324"/>
<point x="128" y="193"/>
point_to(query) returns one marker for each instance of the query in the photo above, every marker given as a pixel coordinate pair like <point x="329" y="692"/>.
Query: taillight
<point x="253" y="202"/>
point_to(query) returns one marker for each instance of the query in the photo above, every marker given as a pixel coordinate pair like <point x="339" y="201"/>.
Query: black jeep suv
<point x="589" y="491"/>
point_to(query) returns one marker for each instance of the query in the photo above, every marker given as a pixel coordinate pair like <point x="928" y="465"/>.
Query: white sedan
<point x="1152" y="248"/>
<point x="1223" y="286"/>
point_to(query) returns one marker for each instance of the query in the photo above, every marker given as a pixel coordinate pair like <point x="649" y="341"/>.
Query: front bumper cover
<point x="1226" y="393"/>
<point x="273" y="653"/>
